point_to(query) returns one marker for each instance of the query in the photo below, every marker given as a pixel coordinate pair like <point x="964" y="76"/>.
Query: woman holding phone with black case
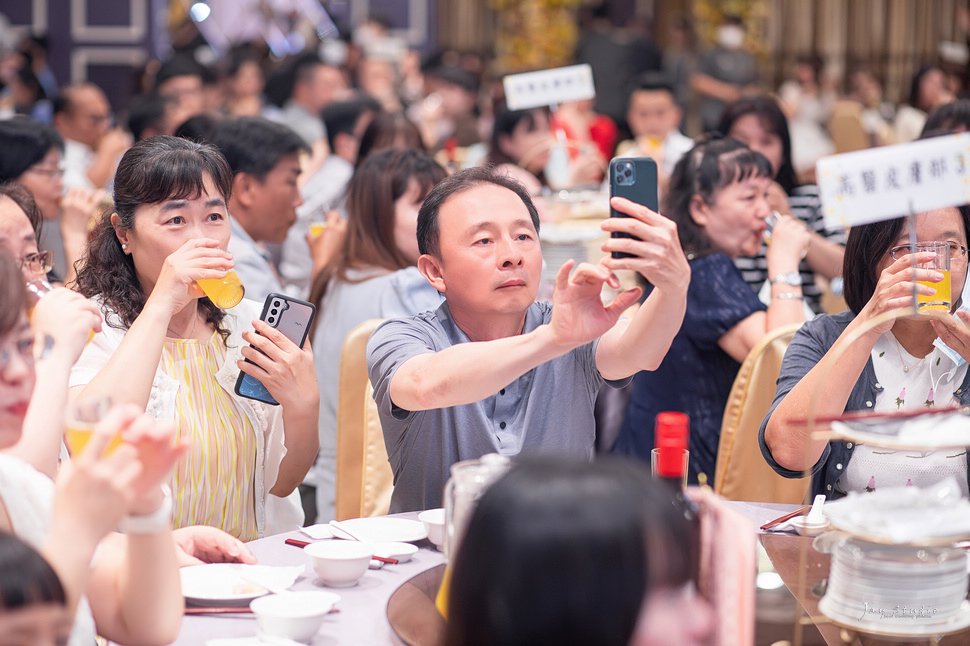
<point x="167" y="348"/>
<point x="718" y="196"/>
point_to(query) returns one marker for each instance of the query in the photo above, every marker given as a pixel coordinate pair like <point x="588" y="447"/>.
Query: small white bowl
<point x="293" y="615"/>
<point x="339" y="564"/>
<point x="805" y="528"/>
<point x="400" y="551"/>
<point x="434" y="524"/>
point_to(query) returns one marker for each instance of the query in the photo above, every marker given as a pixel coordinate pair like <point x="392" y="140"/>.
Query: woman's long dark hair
<point x="381" y="180"/>
<point x="26" y="578"/>
<point x="772" y="119"/>
<point x="565" y="552"/>
<point x="706" y="169"/>
<point x="152" y="171"/>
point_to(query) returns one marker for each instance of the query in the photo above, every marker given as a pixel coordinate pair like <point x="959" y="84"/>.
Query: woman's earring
<point x="124" y="247"/>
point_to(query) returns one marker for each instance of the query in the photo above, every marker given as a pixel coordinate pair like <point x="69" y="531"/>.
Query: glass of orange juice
<point x="82" y="418"/>
<point x="225" y="292"/>
<point x="942" y="299"/>
<point x="318" y="223"/>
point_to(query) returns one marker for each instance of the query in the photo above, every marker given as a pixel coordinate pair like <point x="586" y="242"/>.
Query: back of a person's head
<point x="24" y="143"/>
<point x="949" y="118"/>
<point x="146" y="116"/>
<point x="26" y="579"/>
<point x="201" y="128"/>
<point x="565" y="552"/>
<point x="254" y="145"/>
<point x="389" y="130"/>
<point x="341" y="117"/>
<point x="179" y="65"/>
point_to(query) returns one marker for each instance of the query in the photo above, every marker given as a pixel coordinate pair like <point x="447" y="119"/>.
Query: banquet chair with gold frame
<point x="364" y="478"/>
<point x="741" y="472"/>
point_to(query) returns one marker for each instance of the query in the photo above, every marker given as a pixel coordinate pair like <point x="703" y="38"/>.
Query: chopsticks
<point x="218" y="610"/>
<point x="778" y="521"/>
<point x="295" y="542"/>
<point x="228" y="610"/>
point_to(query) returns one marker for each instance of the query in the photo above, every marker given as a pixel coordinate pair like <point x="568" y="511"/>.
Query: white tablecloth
<point x="362" y="619"/>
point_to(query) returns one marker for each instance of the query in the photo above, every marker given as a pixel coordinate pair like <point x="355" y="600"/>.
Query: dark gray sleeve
<point x="804" y="352"/>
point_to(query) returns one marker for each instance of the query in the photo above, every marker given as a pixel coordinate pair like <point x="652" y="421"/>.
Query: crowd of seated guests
<point x="413" y="194"/>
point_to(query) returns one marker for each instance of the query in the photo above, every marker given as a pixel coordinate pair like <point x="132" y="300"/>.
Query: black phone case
<point x="291" y="316"/>
<point x="642" y="189"/>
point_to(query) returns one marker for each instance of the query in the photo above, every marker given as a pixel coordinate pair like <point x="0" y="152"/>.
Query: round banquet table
<point x="362" y="618"/>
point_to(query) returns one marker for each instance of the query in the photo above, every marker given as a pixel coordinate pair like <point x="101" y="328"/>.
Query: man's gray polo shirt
<point x="548" y="410"/>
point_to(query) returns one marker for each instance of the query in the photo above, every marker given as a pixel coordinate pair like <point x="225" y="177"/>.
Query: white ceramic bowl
<point x="339" y="564"/>
<point x="805" y="528"/>
<point x="293" y="615"/>
<point x="400" y="551"/>
<point x="434" y="524"/>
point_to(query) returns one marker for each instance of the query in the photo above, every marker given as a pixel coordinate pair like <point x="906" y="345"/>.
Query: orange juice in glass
<point x="78" y="434"/>
<point x="82" y="418"/>
<point x="942" y="299"/>
<point x="225" y="292"/>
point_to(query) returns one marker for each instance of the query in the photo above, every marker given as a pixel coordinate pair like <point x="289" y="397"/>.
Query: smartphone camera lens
<point x="273" y="312"/>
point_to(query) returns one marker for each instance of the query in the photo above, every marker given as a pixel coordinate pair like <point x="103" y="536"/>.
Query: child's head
<point x="33" y="605"/>
<point x="652" y="110"/>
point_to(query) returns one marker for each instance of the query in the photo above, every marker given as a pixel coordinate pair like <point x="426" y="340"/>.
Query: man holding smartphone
<point x="492" y="370"/>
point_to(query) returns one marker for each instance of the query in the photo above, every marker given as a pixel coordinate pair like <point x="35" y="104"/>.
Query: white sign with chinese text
<point x="883" y="183"/>
<point x="548" y="87"/>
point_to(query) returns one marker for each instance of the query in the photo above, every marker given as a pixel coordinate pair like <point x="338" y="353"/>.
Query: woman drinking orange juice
<point x="172" y="348"/>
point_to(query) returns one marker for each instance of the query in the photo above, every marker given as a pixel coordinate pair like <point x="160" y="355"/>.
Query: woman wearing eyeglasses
<point x="895" y="365"/>
<point x="33" y="158"/>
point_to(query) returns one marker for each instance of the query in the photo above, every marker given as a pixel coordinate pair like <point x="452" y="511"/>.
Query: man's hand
<point x="656" y="254"/>
<point x="578" y="313"/>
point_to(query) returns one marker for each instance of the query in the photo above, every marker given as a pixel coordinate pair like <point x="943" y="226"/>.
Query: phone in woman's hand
<point x="290" y="316"/>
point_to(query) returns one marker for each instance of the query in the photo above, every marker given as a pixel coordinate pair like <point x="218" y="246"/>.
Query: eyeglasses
<point x="57" y="171"/>
<point x="24" y="348"/>
<point x="40" y="262"/>
<point x="956" y="250"/>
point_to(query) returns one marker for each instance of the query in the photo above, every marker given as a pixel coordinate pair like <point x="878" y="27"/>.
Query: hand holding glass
<point x="225" y="292"/>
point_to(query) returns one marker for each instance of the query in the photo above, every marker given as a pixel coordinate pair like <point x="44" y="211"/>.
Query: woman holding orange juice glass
<point x="178" y="333"/>
<point x="914" y="361"/>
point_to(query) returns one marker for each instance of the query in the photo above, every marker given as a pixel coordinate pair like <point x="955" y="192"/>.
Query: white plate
<point x="318" y="532"/>
<point x="385" y="530"/>
<point x="218" y="584"/>
<point x="889" y="628"/>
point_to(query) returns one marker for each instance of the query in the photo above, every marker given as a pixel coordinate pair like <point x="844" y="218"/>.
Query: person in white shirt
<point x="92" y="147"/>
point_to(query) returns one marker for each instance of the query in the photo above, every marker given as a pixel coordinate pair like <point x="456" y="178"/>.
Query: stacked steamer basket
<point x="891" y="574"/>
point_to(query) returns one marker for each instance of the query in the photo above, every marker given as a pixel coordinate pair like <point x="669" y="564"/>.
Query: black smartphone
<point x="293" y="318"/>
<point x="634" y="178"/>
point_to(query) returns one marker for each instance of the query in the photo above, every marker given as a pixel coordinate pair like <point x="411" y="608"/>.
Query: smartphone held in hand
<point x="634" y="178"/>
<point x="292" y="317"/>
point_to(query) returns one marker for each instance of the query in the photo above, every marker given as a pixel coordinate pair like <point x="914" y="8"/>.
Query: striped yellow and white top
<point x="214" y="483"/>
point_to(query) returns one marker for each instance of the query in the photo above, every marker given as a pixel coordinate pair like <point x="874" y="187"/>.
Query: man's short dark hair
<point x="342" y="116"/>
<point x="652" y="82"/>
<point x="179" y="65"/>
<point x="463" y="180"/>
<point x="146" y="112"/>
<point x="24" y="143"/>
<point x="255" y="145"/>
